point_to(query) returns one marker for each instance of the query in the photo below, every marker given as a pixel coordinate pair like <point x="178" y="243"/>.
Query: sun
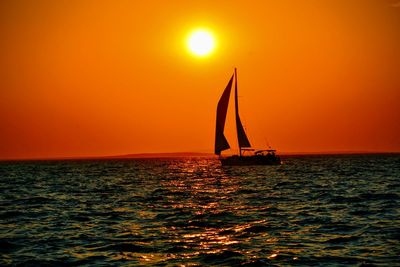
<point x="201" y="43"/>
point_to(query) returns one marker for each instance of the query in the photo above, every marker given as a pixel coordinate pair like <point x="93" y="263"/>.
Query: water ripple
<point x="315" y="210"/>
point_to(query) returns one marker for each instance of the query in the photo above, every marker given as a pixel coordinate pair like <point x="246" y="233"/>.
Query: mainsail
<point x="241" y="134"/>
<point x="220" y="141"/>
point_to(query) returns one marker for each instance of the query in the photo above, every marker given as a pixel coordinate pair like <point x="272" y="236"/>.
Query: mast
<point x="243" y="141"/>
<point x="237" y="112"/>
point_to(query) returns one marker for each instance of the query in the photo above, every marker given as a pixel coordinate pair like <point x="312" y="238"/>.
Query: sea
<point x="316" y="210"/>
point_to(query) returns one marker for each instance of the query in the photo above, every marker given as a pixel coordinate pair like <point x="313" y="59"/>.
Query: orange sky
<point x="91" y="78"/>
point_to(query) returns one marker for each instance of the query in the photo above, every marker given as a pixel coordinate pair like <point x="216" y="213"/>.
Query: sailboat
<point x="247" y="155"/>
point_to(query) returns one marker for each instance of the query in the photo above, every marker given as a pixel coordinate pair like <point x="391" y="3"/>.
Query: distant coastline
<point x="161" y="155"/>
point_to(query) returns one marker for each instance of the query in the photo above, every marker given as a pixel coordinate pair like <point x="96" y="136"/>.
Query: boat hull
<point x="250" y="160"/>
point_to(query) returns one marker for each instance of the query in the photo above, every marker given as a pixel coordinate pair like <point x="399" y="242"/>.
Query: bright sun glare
<point x="201" y="43"/>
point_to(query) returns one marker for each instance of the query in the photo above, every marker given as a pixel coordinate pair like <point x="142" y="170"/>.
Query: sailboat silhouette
<point x="259" y="157"/>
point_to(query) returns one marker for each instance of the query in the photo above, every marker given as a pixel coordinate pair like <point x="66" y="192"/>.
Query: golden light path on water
<point x="212" y="239"/>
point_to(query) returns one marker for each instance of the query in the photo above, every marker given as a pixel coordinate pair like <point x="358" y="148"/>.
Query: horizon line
<point x="190" y="154"/>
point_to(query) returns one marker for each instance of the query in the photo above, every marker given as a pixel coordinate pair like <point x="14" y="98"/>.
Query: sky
<point x="95" y="78"/>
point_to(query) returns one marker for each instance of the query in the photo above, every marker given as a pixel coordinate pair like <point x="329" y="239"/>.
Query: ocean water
<point x="310" y="211"/>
